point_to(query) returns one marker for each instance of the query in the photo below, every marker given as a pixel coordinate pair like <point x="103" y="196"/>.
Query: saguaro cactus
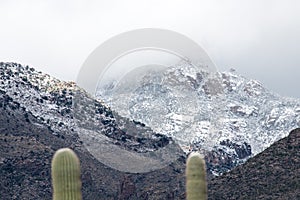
<point x="66" y="175"/>
<point x="196" y="187"/>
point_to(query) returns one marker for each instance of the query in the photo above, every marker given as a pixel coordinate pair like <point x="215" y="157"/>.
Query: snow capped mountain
<point x="66" y="109"/>
<point x="228" y="118"/>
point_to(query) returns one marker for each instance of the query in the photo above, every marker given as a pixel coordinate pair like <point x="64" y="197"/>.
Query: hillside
<point x="272" y="174"/>
<point x="26" y="151"/>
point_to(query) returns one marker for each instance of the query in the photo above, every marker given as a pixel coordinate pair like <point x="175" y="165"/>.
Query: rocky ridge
<point x="66" y="109"/>
<point x="35" y="121"/>
<point x="226" y="116"/>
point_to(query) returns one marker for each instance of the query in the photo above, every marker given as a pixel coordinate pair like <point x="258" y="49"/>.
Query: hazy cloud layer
<point x="261" y="39"/>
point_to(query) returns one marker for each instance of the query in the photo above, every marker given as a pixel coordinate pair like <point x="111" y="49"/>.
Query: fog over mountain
<point x="258" y="38"/>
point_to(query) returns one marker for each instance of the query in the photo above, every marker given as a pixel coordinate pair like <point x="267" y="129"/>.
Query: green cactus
<point x="196" y="187"/>
<point x="66" y="175"/>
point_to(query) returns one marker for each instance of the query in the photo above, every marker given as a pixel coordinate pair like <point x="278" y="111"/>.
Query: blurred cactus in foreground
<point x="196" y="187"/>
<point x="65" y="171"/>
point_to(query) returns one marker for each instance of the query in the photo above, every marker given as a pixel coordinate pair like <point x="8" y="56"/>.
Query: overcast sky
<point x="260" y="39"/>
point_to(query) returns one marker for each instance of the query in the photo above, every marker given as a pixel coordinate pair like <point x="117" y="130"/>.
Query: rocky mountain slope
<point x="36" y="119"/>
<point x="26" y="151"/>
<point x="226" y="115"/>
<point x="67" y="110"/>
<point x="38" y="115"/>
<point x="272" y="174"/>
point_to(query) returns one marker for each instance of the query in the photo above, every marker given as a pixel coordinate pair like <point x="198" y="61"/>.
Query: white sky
<point x="260" y="39"/>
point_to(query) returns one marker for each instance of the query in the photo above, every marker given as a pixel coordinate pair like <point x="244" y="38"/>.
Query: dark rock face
<point x="225" y="157"/>
<point x="242" y="150"/>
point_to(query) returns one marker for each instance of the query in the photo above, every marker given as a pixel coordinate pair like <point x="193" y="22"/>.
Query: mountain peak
<point x="245" y="120"/>
<point x="202" y="111"/>
<point x="40" y="114"/>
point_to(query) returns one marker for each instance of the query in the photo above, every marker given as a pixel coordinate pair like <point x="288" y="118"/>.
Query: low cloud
<point x="261" y="39"/>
